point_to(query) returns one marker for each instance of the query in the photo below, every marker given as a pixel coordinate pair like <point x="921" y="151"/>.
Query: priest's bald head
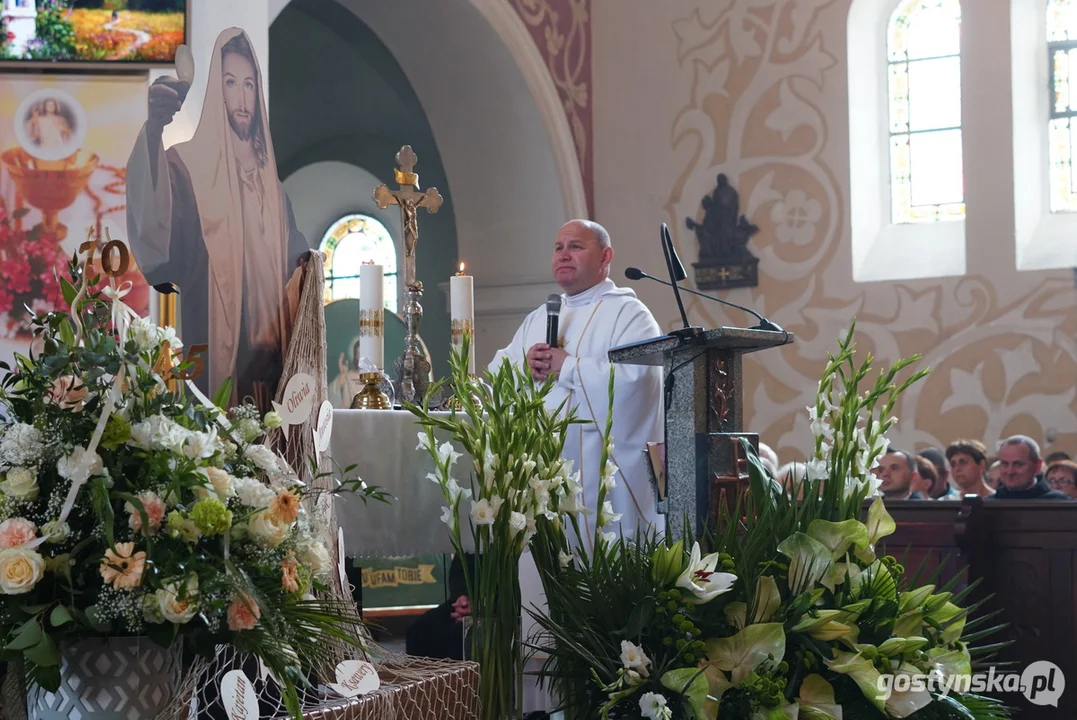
<point x="582" y="254"/>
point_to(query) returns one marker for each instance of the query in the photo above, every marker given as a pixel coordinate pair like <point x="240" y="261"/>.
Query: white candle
<point x="372" y="314"/>
<point x="462" y="313"/>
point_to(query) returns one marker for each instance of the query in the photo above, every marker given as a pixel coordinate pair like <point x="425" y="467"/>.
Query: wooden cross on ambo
<point x="409" y="199"/>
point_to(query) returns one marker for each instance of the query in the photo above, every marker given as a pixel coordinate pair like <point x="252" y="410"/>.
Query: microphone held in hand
<point x="553" y="312"/>
<point x="633" y="273"/>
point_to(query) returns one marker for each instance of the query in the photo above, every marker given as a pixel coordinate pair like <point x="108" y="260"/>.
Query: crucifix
<point x="412" y="368"/>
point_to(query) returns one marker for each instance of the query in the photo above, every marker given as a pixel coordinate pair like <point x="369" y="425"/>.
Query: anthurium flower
<point x="742" y="653"/>
<point x="701" y="580"/>
<point x="914" y="599"/>
<point x="767" y="599"/>
<point x="689" y="683"/>
<point x="839" y="536"/>
<point x="879" y="525"/>
<point x="816" y="700"/>
<point x="896" y="646"/>
<point x="826" y="625"/>
<point x="903" y="703"/>
<point x="952" y="619"/>
<point x="736" y="613"/>
<point x="862" y="672"/>
<point x="951" y="663"/>
<point x="717" y="684"/>
<point x="809" y="561"/>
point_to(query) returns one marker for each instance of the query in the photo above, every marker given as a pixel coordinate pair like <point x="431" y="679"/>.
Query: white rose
<point x="20" y="570"/>
<point x="55" y="531"/>
<point x="268" y="531"/>
<point x="172" y="608"/>
<point x="22" y="483"/>
<point x="223" y="483"/>
<point x="315" y="556"/>
<point x="262" y="457"/>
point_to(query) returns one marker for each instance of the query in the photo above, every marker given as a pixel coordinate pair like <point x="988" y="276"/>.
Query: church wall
<point x="351" y="103"/>
<point x="685" y="90"/>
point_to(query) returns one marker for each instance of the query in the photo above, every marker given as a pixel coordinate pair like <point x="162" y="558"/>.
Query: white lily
<point x="701" y="580"/>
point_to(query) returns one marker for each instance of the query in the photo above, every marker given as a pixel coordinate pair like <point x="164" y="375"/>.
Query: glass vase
<point x="495" y="637"/>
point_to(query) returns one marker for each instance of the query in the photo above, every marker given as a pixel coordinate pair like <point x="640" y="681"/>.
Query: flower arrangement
<point x="517" y="491"/>
<point x="129" y="508"/>
<point x="793" y="615"/>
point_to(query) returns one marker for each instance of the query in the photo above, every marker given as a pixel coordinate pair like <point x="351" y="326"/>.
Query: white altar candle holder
<point x="371" y="338"/>
<point x="462" y="314"/>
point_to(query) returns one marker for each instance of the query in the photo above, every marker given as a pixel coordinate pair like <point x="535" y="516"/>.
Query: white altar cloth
<point x="383" y="446"/>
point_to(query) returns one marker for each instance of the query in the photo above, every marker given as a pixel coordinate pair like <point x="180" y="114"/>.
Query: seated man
<point x="440" y="632"/>
<point x="1021" y="479"/>
<point x="897" y="470"/>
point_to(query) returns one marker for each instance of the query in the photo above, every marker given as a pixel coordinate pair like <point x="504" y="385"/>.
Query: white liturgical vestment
<point x="590" y="324"/>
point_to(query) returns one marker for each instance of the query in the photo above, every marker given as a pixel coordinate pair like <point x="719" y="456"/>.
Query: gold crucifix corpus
<point x="410" y="200"/>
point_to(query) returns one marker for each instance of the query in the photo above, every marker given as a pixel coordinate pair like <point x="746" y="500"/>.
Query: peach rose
<point x="20" y="570"/>
<point x="243" y="613"/>
<point x="155" y="512"/>
<point x="68" y="392"/>
<point x="16" y="531"/>
<point x="122" y="567"/>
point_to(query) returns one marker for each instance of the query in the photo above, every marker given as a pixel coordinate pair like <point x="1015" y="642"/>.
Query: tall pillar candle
<point x="372" y="314"/>
<point x="462" y="312"/>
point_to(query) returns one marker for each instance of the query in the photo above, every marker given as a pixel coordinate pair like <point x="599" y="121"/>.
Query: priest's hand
<point x="544" y="361"/>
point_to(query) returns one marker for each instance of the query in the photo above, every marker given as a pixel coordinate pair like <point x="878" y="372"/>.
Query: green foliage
<point x="55" y="34"/>
<point x="811" y="598"/>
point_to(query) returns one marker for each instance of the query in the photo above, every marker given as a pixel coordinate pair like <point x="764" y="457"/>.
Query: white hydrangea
<point x="21" y="446"/>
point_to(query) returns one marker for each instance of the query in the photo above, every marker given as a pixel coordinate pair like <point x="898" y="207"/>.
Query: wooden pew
<point x="1025" y="554"/>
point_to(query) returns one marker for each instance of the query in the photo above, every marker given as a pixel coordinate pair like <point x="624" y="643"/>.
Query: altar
<point x="382" y="446"/>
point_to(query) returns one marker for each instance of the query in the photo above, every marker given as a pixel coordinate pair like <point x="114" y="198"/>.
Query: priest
<point x="596" y="316"/>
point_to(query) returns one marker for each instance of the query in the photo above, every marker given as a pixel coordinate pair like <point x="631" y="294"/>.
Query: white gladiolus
<point x="447" y="453"/>
<point x="606" y="516"/>
<point x="634" y="658"/>
<point x="517" y="522"/>
<point x="483" y="512"/>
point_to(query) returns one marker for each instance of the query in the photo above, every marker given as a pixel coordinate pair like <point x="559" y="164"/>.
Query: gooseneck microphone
<point x="553" y="311"/>
<point x="676" y="274"/>
<point x="633" y="273"/>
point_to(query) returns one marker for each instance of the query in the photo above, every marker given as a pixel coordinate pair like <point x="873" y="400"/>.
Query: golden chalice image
<point x="51" y="186"/>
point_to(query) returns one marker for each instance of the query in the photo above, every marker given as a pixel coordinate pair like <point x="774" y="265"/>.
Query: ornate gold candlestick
<point x="411" y="368"/>
<point x="371" y="396"/>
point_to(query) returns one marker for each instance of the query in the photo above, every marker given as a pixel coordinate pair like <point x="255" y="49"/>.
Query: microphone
<point x="553" y="310"/>
<point x="676" y="274"/>
<point x="633" y="273"/>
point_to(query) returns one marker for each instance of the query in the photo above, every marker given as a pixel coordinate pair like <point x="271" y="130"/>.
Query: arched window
<point x="349" y="242"/>
<point x="1062" y="127"/>
<point x="924" y="69"/>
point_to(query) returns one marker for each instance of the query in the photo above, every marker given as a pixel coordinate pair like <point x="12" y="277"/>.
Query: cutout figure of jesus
<point x="211" y="216"/>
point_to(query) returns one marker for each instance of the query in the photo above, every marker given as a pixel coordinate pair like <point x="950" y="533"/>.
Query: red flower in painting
<point x="7" y="300"/>
<point x="16" y="273"/>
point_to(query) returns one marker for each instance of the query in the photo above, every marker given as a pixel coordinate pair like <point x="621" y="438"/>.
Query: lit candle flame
<point x="461" y="270"/>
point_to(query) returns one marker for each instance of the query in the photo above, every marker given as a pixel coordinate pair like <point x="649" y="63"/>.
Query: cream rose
<point x="222" y="483"/>
<point x="21" y="483"/>
<point x="314" y="556"/>
<point x="172" y="608"/>
<point x="20" y="570"/>
<point x="267" y="530"/>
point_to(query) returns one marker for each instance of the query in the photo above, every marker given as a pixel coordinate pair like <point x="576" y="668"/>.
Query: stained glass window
<point x="349" y="242"/>
<point x="924" y="65"/>
<point x="1062" y="126"/>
